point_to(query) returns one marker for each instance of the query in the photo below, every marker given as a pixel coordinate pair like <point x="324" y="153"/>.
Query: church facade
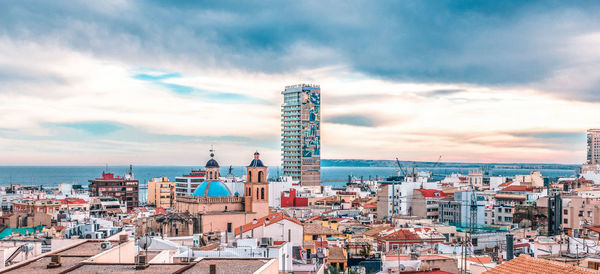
<point x="215" y="208"/>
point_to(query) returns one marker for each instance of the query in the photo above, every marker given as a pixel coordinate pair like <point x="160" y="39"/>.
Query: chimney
<point x="123" y="238"/>
<point x="212" y="269"/>
<point x="54" y="261"/>
<point x="509" y="247"/>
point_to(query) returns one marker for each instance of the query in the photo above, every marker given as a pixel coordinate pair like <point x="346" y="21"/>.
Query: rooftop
<point x="518" y="188"/>
<point x="526" y="264"/>
<point x="267" y="220"/>
<point x="40" y="265"/>
<point x="511" y="196"/>
<point x="123" y="268"/>
<point x="225" y="265"/>
<point x="317" y="229"/>
<point x="432" y="193"/>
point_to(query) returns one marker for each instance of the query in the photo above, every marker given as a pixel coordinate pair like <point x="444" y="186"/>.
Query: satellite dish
<point x="145" y="242"/>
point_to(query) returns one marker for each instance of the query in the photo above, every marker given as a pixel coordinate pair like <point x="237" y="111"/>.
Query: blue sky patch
<point x="94" y="127"/>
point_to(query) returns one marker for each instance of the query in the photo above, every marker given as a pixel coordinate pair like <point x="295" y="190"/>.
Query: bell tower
<point x="256" y="186"/>
<point x="212" y="168"/>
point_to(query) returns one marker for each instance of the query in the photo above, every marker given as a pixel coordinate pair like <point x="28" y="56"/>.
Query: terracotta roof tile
<point x="272" y="218"/>
<point x="432" y="193"/>
<point x="317" y="229"/>
<point x="375" y="230"/>
<point x="481" y="260"/>
<point x="336" y="253"/>
<point x="518" y="188"/>
<point x="402" y="234"/>
<point x="525" y="264"/>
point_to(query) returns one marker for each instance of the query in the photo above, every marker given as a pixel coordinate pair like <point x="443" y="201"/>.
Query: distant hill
<point x="392" y="163"/>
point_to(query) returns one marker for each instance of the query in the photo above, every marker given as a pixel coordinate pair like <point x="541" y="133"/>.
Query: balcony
<point x="291" y="107"/>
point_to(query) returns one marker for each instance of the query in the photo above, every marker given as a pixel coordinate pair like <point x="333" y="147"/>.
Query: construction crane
<point x="438" y="162"/>
<point x="401" y="169"/>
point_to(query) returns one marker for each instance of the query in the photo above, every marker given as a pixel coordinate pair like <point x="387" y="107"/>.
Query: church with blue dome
<point x="213" y="206"/>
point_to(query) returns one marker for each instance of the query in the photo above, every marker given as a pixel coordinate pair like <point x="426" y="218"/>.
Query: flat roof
<point x="86" y="249"/>
<point x="249" y="265"/>
<point x="39" y="265"/>
<point x="125" y="268"/>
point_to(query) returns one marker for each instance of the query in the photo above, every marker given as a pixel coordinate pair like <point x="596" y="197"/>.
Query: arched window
<point x="260" y="176"/>
<point x="249" y="179"/>
<point x="262" y="193"/>
<point x="257" y="192"/>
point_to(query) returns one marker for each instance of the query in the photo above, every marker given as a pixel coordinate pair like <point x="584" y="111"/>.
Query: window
<point x="581" y="213"/>
<point x="262" y="193"/>
<point x="565" y="221"/>
<point x="229" y="227"/>
<point x="566" y="211"/>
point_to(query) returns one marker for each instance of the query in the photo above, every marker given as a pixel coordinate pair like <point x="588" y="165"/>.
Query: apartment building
<point x="425" y="203"/>
<point x="161" y="192"/>
<point x="125" y="189"/>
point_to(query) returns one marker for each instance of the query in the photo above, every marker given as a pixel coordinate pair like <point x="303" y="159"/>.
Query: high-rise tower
<point x="593" y="146"/>
<point x="301" y="137"/>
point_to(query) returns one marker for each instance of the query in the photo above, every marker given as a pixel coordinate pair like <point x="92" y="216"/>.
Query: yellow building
<point x="316" y="231"/>
<point x="161" y="192"/>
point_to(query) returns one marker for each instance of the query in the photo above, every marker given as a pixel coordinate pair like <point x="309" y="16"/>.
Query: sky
<point x="160" y="82"/>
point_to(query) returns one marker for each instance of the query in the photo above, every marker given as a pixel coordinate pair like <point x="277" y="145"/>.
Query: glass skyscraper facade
<point x="300" y="136"/>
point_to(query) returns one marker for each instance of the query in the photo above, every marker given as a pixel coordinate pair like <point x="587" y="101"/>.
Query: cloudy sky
<point x="153" y="82"/>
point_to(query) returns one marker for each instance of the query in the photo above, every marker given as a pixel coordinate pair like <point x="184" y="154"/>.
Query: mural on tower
<point x="311" y="104"/>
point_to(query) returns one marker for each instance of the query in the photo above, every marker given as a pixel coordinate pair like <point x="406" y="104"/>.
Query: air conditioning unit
<point x="266" y="241"/>
<point x="105" y="245"/>
<point x="54" y="262"/>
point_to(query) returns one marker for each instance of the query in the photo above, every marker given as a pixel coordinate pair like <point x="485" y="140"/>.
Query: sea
<point x="330" y="175"/>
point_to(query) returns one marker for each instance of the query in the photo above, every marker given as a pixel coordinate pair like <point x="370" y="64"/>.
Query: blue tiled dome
<point x="212" y="163"/>
<point x="256" y="163"/>
<point x="212" y="189"/>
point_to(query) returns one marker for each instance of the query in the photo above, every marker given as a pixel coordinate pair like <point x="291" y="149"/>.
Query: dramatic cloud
<point x="121" y="81"/>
